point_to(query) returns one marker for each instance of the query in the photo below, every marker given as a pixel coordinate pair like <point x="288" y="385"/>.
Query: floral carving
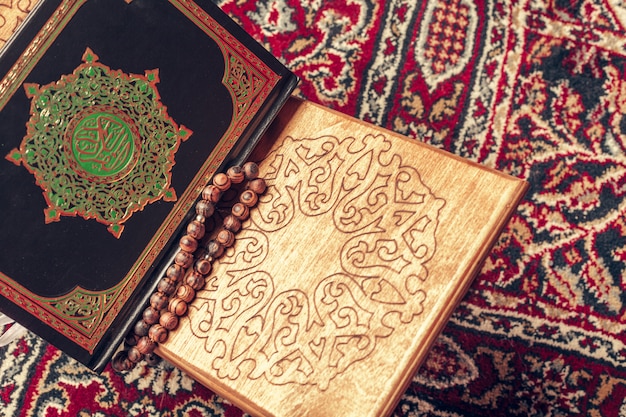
<point x="335" y="305"/>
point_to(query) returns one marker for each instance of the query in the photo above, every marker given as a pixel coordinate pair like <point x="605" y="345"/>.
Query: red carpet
<point x="535" y="89"/>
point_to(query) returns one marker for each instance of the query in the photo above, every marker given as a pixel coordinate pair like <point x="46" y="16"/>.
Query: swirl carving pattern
<point x="362" y="227"/>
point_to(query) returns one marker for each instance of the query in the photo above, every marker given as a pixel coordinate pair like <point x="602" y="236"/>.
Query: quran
<point x="107" y="142"/>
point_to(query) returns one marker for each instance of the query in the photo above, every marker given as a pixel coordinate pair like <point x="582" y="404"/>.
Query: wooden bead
<point x="225" y="238"/>
<point x="177" y="306"/>
<point x="168" y="320"/>
<point x="249" y="198"/>
<point x="152" y="359"/>
<point x="158" y="301"/>
<point x="205" y="208"/>
<point x="131" y="339"/>
<point x="183" y="259"/>
<point x="145" y="345"/>
<point x="235" y="174"/>
<point x="250" y="170"/>
<point x="211" y="193"/>
<point x="185" y="293"/>
<point x="120" y="362"/>
<point x="240" y="211"/>
<point x="214" y="249"/>
<point x="141" y="328"/>
<point x="257" y="185"/>
<point x="232" y="223"/>
<point x="203" y="266"/>
<point x="150" y="315"/>
<point x="196" y="230"/>
<point x="166" y="286"/>
<point x="188" y="244"/>
<point x="134" y="355"/>
<point x="196" y="280"/>
<point x="175" y="272"/>
<point x="221" y="181"/>
<point x="158" y="333"/>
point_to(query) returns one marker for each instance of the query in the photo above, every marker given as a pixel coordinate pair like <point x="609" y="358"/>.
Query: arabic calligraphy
<point x="103" y="143"/>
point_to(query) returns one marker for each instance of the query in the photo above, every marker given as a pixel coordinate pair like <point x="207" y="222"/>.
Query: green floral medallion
<point x="100" y="144"/>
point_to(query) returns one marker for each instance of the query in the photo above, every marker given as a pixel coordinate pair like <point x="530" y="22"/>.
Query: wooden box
<point x="346" y="272"/>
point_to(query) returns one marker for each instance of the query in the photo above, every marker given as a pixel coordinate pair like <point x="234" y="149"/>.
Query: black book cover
<point x="114" y="114"/>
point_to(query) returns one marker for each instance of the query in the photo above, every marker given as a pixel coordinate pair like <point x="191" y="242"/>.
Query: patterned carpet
<point x="536" y="89"/>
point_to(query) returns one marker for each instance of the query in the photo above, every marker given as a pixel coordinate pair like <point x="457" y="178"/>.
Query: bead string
<point x="178" y="287"/>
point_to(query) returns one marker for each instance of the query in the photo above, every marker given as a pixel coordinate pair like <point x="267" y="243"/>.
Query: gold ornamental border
<point x="97" y="309"/>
